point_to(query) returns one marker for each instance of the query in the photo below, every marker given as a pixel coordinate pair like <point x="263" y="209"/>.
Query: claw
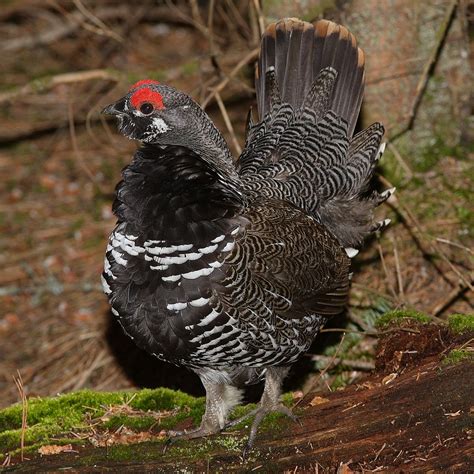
<point x="245" y="452"/>
<point x="239" y="420"/>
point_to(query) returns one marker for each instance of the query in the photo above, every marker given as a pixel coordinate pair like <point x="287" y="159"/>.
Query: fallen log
<point x="414" y="415"/>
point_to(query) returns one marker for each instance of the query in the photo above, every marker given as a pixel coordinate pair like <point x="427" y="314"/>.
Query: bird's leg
<point x="270" y="402"/>
<point x="220" y="399"/>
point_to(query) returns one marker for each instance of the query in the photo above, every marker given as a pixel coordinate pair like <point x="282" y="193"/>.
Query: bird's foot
<point x="194" y="433"/>
<point x="200" y="432"/>
<point x="260" y="413"/>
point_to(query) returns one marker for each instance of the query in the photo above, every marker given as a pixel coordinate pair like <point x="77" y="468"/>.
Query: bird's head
<point x="154" y="113"/>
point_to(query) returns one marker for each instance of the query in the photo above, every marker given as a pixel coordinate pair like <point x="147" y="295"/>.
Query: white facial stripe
<point x="159" y="125"/>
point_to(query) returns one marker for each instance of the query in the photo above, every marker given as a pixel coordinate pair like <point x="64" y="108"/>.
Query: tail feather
<point x="319" y="96"/>
<point x="299" y="51"/>
<point x="310" y="84"/>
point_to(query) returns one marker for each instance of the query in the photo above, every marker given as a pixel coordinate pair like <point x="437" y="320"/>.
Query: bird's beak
<point x="117" y="108"/>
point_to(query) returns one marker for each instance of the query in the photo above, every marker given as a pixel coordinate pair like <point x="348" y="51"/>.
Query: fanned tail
<point x="310" y="84"/>
<point x="301" y="56"/>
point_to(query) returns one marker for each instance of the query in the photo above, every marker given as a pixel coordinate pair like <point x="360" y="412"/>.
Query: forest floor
<point x="60" y="161"/>
<point x="413" y="413"/>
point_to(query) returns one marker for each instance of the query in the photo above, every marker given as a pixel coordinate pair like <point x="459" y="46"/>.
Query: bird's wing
<point x="290" y="264"/>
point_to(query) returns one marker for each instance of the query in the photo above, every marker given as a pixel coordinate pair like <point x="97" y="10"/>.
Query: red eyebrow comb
<point x="143" y="82"/>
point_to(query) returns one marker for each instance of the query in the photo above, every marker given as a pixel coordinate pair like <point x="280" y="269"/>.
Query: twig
<point x="237" y="16"/>
<point x="80" y="158"/>
<point x="428" y="69"/>
<point x="449" y="299"/>
<point x="195" y="12"/>
<point x="352" y="364"/>
<point x="100" y="27"/>
<point x="321" y="374"/>
<point x="401" y="161"/>
<point x="210" y="29"/>
<point x="454" y="244"/>
<point x="261" y="21"/>
<point x="62" y="29"/>
<point x="243" y="62"/>
<point x="398" y="270"/>
<point x="385" y="270"/>
<point x="100" y="360"/>
<point x="357" y="320"/>
<point x="195" y="20"/>
<point x="44" y="84"/>
<point x="228" y="124"/>
<point x="24" y="411"/>
<point x="417" y="234"/>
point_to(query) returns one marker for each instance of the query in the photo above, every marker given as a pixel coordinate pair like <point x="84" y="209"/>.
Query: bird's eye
<point x="146" y="108"/>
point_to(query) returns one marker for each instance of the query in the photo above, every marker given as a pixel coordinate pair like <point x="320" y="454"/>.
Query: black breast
<point x="177" y="221"/>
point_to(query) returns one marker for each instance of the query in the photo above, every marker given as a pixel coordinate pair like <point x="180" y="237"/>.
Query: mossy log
<point x="413" y="415"/>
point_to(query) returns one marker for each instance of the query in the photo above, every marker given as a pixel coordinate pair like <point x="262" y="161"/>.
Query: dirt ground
<point x="63" y="61"/>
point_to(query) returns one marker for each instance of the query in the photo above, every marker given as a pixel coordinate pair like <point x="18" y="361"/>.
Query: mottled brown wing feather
<point x="291" y="255"/>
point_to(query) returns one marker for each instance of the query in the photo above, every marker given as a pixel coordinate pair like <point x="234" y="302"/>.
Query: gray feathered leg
<point x="220" y="399"/>
<point x="269" y="403"/>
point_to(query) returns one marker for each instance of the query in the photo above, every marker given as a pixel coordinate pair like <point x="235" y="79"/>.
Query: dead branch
<point x="98" y="26"/>
<point x="39" y="86"/>
<point x="351" y="364"/>
<point x="228" y="124"/>
<point x="450" y="298"/>
<point x="243" y="62"/>
<point x="78" y="154"/>
<point x="401" y="161"/>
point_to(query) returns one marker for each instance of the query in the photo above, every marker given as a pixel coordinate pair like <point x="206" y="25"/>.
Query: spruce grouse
<point x="231" y="268"/>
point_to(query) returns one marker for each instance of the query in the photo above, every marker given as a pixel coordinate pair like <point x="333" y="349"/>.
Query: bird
<point x="230" y="268"/>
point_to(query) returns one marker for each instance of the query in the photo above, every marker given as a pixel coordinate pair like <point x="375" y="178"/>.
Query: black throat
<point x="168" y="192"/>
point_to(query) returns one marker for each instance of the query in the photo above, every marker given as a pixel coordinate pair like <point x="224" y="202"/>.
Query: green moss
<point x="458" y="355"/>
<point x="137" y="423"/>
<point x="460" y="323"/>
<point x="125" y="452"/>
<point x="51" y="420"/>
<point x="395" y="317"/>
<point x="50" y="417"/>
